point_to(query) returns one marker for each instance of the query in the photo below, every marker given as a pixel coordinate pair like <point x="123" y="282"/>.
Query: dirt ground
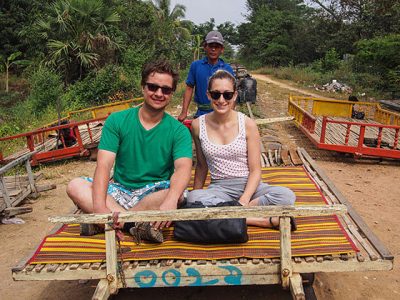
<point x="372" y="187"/>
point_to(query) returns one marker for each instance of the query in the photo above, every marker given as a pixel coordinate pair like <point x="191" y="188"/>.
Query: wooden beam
<point x="249" y="108"/>
<point x="249" y="271"/>
<point x="205" y="213"/>
<point x="31" y="179"/>
<point x="286" y="251"/>
<point x="374" y="240"/>
<point x="16" y="162"/>
<point x="102" y="291"/>
<point x="272" y="120"/>
<point x="296" y="287"/>
<point x="111" y="259"/>
<point x="12" y="211"/>
<point x="6" y="195"/>
<point x="45" y="187"/>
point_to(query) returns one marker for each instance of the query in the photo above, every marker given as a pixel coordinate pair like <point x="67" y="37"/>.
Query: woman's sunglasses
<point x="166" y="90"/>
<point x="215" y="95"/>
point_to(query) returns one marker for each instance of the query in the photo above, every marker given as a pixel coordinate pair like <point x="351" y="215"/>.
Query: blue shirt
<point x="199" y="73"/>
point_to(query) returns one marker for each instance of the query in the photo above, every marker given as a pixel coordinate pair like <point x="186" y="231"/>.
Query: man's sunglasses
<point x="152" y="87"/>
<point x="215" y="95"/>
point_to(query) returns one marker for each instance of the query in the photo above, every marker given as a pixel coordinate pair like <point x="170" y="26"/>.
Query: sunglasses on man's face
<point x="215" y="95"/>
<point x="152" y="87"/>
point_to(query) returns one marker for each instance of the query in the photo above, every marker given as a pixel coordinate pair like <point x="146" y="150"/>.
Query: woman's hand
<point x="244" y="201"/>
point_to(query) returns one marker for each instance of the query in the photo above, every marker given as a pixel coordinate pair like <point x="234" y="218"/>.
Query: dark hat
<point x="214" y="37"/>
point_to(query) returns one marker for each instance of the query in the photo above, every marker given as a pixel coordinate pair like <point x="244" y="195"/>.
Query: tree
<point x="274" y="34"/>
<point x="173" y="38"/>
<point x="79" y="36"/>
<point x="9" y="62"/>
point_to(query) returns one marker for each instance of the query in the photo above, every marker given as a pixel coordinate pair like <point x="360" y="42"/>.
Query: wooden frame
<point x="347" y="135"/>
<point x="286" y="270"/>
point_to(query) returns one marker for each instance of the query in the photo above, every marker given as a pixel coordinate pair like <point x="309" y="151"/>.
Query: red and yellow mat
<point x="314" y="236"/>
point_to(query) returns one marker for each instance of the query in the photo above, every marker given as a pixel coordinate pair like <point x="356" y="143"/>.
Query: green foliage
<point x="46" y="89"/>
<point x="132" y="61"/>
<point x="78" y="34"/>
<point x="331" y="61"/>
<point x="379" y="57"/>
<point x="274" y="33"/>
<point x="96" y="88"/>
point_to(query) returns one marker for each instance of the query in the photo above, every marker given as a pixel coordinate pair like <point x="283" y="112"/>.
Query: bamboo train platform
<point x="50" y="143"/>
<point x="329" y="126"/>
<point x="331" y="237"/>
<point x="16" y="188"/>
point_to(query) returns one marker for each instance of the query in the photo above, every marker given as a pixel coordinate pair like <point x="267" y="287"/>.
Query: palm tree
<point x="78" y="34"/>
<point x="172" y="31"/>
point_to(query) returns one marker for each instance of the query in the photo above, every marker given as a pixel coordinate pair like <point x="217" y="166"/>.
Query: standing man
<point x="152" y="153"/>
<point x="199" y="73"/>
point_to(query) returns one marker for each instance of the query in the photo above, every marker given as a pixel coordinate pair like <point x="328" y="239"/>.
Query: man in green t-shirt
<point x="151" y="150"/>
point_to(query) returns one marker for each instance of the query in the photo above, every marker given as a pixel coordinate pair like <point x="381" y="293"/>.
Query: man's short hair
<point x="159" y="66"/>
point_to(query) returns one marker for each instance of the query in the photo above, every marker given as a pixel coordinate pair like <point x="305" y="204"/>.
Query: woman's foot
<point x="274" y="222"/>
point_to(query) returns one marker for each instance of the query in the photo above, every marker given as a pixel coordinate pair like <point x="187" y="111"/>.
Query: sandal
<point x="143" y="230"/>
<point x="293" y="225"/>
<point x="90" y="229"/>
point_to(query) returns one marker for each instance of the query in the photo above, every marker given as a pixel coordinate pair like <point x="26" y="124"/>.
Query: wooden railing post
<point x="111" y="259"/>
<point x="286" y="251"/>
<point x="323" y="130"/>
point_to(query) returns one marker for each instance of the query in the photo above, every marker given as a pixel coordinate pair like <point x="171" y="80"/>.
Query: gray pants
<point x="223" y="190"/>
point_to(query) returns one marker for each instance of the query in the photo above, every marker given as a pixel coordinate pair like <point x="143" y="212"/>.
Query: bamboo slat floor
<point x="336" y="133"/>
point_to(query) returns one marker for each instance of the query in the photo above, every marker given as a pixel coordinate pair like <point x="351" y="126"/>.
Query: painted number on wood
<point x="172" y="277"/>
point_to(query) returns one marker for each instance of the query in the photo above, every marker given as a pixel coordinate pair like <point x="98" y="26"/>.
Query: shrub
<point x="95" y="89"/>
<point x="46" y="88"/>
<point x="133" y="60"/>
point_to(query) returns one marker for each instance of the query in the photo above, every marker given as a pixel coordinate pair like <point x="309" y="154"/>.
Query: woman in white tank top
<point x="228" y="145"/>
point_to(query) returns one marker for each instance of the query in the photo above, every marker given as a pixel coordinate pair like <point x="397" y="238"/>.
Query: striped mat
<point x="315" y="235"/>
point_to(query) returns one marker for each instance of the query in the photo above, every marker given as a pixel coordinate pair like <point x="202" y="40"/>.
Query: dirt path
<point x="372" y="188"/>
<point x="288" y="86"/>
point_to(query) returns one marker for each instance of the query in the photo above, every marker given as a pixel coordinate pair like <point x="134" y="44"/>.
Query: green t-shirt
<point x="144" y="156"/>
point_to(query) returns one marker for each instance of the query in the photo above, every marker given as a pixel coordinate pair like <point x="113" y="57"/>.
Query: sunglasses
<point x="152" y="87"/>
<point x="215" y="95"/>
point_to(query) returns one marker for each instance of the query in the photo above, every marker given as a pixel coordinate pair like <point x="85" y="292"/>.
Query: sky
<point x="200" y="11"/>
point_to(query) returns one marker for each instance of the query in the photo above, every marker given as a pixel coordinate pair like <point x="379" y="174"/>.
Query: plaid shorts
<point x="128" y="198"/>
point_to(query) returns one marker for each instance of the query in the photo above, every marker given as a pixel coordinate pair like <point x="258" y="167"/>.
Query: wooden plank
<point x="31" y="179"/>
<point x="296" y="287"/>
<point x="6" y="195"/>
<point x="249" y="270"/>
<point x="374" y="240"/>
<point x="285" y="157"/>
<point x="102" y="291"/>
<point x="13" y="211"/>
<point x="285" y="251"/>
<point x="111" y="259"/>
<point x="16" y="162"/>
<point x="249" y="108"/>
<point x="45" y="187"/>
<point x="205" y="213"/>
<point x="272" y="120"/>
<point x="294" y="157"/>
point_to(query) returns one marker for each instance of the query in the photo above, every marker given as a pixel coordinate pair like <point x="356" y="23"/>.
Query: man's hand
<point x="162" y="224"/>
<point x="182" y="116"/>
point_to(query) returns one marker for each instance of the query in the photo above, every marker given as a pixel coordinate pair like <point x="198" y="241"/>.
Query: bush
<point x="95" y="89"/>
<point x="133" y="60"/>
<point x="46" y="88"/>
<point x="331" y="60"/>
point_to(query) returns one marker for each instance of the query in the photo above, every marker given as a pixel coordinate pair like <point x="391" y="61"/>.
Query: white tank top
<point x="226" y="161"/>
